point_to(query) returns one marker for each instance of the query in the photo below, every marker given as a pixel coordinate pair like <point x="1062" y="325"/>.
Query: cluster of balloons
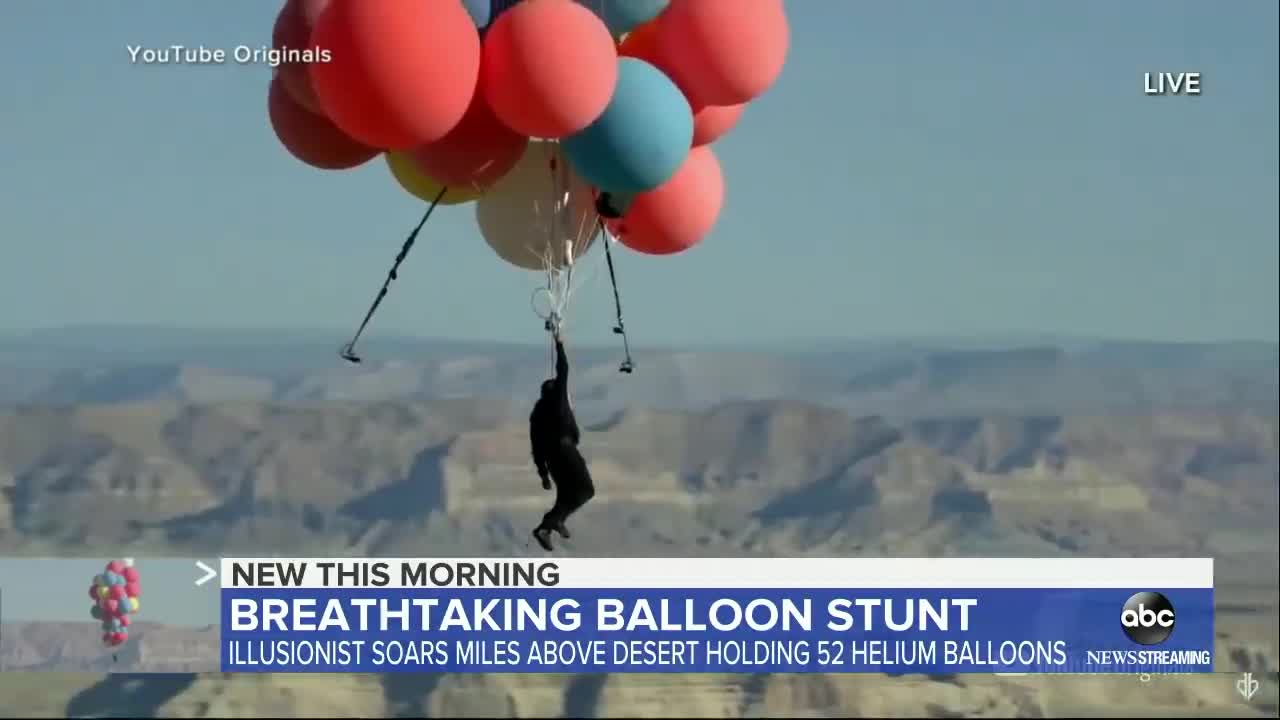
<point x="473" y="99"/>
<point x="115" y="597"/>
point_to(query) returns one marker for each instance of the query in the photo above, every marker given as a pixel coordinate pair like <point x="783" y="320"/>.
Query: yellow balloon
<point x="103" y="590"/>
<point x="133" y="606"/>
<point x="524" y="222"/>
<point x="422" y="187"/>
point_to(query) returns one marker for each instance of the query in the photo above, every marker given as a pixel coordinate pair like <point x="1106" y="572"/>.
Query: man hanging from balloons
<point x="115" y="597"/>
<point x="564" y="121"/>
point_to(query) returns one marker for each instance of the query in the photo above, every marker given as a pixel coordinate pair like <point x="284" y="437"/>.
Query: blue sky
<point x="921" y="167"/>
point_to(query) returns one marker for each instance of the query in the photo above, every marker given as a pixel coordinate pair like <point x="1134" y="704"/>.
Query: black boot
<point x="543" y="536"/>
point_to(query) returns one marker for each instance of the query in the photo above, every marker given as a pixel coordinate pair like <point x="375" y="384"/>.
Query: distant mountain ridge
<point x="264" y="444"/>
<point x="111" y="365"/>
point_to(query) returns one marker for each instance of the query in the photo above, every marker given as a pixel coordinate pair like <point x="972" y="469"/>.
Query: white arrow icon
<point x="209" y="573"/>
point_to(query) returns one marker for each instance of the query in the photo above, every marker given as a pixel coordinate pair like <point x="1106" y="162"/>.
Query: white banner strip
<point x="763" y="573"/>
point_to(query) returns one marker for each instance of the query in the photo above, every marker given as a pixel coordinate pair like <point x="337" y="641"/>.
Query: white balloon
<point x="540" y="215"/>
<point x="128" y="562"/>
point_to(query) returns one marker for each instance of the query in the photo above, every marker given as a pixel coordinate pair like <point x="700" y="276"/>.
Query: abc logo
<point x="1147" y="618"/>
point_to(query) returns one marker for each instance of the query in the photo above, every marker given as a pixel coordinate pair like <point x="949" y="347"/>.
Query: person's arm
<point x="562" y="372"/>
<point x="539" y="461"/>
<point x="562" y="393"/>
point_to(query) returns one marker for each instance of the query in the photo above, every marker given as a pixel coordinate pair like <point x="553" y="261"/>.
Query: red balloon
<point x="311" y="138"/>
<point x="124" y="620"/>
<point x="723" y="52"/>
<point x="713" y="121"/>
<point x="400" y="73"/>
<point x="112" y="605"/>
<point x="131" y="575"/>
<point x="106" y="638"/>
<point x="293" y="31"/>
<point x="117" y="592"/>
<point x="549" y="67"/>
<point x="676" y="215"/>
<point x="115" y="566"/>
<point x="132" y="588"/>
<point x="642" y="42"/>
<point x="476" y="153"/>
<point x="93" y="592"/>
<point x="118" y="638"/>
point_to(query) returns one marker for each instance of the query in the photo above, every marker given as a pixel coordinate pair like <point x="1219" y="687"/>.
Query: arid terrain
<point x="190" y="445"/>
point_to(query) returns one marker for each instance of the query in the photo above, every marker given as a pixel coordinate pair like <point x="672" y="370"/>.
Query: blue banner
<point x="717" y="631"/>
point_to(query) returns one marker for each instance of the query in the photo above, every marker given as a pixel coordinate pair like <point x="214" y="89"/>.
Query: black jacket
<point x="552" y="423"/>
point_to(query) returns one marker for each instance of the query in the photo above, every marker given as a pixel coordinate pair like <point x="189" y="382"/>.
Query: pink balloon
<point x="93" y="593"/>
<point x="133" y="588"/>
<point x="117" y="592"/>
<point x="112" y="605"/>
<point x="106" y="638"/>
<point x="124" y="620"/>
<point x="476" y="153"/>
<point x="713" y="121"/>
<point x="311" y="138"/>
<point x="115" y="566"/>
<point x="293" y="31"/>
<point x="118" y="638"/>
<point x="400" y="73"/>
<point x="131" y="575"/>
<point x="723" y="52"/>
<point x="548" y="67"/>
<point x="676" y="215"/>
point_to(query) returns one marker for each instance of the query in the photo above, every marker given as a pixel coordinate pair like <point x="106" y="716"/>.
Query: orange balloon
<point x="309" y="137"/>
<point x="675" y="216"/>
<point x="723" y="52"/>
<point x="713" y="121"/>
<point x="549" y="67"/>
<point x="293" y="31"/>
<point x="476" y="153"/>
<point x="400" y="73"/>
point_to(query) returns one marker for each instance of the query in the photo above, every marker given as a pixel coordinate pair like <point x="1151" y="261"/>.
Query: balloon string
<point x="621" y="329"/>
<point x="348" y="352"/>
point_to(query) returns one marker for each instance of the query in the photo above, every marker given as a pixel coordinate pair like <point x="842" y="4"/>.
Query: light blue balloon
<point x="479" y="10"/>
<point x="642" y="137"/>
<point x="621" y="16"/>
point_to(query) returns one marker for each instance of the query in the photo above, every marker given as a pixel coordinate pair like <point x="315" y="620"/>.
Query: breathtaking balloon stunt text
<point x="718" y="615"/>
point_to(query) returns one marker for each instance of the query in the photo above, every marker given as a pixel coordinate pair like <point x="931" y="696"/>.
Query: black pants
<point x="574" y="487"/>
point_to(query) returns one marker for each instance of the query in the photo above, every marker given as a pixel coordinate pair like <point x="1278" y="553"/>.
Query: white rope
<point x="561" y="264"/>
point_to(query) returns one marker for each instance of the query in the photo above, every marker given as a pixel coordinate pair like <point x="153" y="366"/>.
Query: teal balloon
<point x="622" y="16"/>
<point x="99" y="579"/>
<point x="95" y="612"/>
<point x="642" y="137"/>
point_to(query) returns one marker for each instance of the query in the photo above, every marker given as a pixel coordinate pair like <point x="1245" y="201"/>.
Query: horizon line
<point x="1023" y="337"/>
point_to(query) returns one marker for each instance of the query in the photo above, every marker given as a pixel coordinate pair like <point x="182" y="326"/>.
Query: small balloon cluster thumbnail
<point x="460" y="95"/>
<point x="115" y="598"/>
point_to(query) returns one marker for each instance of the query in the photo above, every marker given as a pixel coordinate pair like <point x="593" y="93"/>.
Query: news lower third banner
<point x="718" y="615"/>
